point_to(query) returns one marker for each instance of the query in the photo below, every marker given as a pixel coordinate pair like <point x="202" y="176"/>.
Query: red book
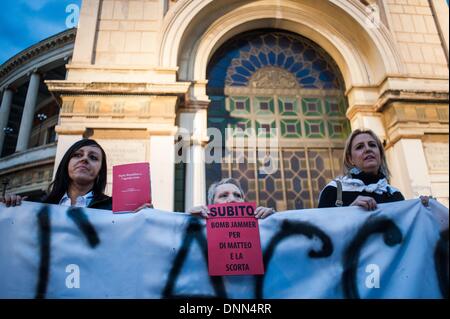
<point x="131" y="186"/>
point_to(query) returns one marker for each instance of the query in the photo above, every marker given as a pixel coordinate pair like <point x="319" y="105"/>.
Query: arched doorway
<point x="270" y="79"/>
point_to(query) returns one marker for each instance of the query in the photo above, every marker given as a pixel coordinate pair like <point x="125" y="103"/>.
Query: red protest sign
<point x="234" y="246"/>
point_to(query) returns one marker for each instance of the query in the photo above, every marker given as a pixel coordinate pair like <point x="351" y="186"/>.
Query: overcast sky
<point x="26" y="22"/>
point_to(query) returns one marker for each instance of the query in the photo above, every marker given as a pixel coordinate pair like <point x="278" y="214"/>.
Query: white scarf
<point x="356" y="185"/>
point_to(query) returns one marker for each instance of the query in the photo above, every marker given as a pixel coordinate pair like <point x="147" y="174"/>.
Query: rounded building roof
<point x="41" y="55"/>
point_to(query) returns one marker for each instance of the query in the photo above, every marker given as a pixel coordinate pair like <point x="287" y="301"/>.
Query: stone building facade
<point x="140" y="72"/>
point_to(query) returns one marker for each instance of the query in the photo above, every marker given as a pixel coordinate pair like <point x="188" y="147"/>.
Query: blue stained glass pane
<point x="297" y="47"/>
<point x="294" y="68"/>
<point x="216" y="83"/>
<point x="296" y="183"/>
<point x="330" y="85"/>
<point x="319" y="65"/>
<point x="294" y="52"/>
<point x="248" y="65"/>
<point x="270" y="187"/>
<point x="257" y="43"/>
<point x="246" y="47"/>
<point x="310" y="54"/>
<point x="240" y="43"/>
<point x="302" y="73"/>
<point x="309" y="86"/>
<point x="326" y="76"/>
<point x="255" y="61"/>
<point x="234" y="54"/>
<point x="218" y="73"/>
<point x="270" y="40"/>
<point x="288" y="62"/>
<point x="308" y="80"/>
<point x="281" y="58"/>
<point x="239" y="78"/>
<point x="224" y="62"/>
<point x="272" y="58"/>
<point x="284" y="42"/>
<point x="262" y="57"/>
<point x="243" y="71"/>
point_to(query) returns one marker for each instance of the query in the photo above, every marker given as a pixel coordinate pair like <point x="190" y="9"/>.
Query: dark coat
<point x="100" y="201"/>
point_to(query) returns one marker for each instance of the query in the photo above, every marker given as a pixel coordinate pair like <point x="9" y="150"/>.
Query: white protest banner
<point x="398" y="251"/>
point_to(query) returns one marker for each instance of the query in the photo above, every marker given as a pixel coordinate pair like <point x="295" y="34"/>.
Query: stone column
<point x="28" y="113"/>
<point x="195" y="123"/>
<point x="440" y="15"/>
<point x="86" y="33"/>
<point x="162" y="168"/>
<point x="407" y="162"/>
<point x="5" y="109"/>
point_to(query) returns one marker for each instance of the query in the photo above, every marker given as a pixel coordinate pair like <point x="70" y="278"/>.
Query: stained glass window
<point x="291" y="90"/>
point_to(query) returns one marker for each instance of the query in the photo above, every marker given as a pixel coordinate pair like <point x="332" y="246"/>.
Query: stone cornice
<point x="375" y="98"/>
<point x="29" y="158"/>
<point x="94" y="67"/>
<point x="108" y="88"/>
<point x="194" y="105"/>
<point x="59" y="40"/>
<point x="390" y="96"/>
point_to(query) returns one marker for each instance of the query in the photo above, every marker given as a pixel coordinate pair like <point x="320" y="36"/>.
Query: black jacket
<point x="100" y="201"/>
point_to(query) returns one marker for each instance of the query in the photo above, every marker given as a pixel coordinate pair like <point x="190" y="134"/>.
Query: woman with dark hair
<point x="228" y="190"/>
<point x="365" y="182"/>
<point x="80" y="179"/>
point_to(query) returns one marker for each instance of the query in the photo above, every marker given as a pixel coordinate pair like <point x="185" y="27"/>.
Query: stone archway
<point x="195" y="30"/>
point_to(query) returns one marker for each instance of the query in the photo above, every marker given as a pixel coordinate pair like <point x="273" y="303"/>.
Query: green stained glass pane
<point x="290" y="128"/>
<point x="335" y="106"/>
<point x="338" y="129"/>
<point x="312" y="106"/>
<point x="314" y="128"/>
<point x="265" y="129"/>
<point x="264" y="106"/>
<point x="287" y="106"/>
<point x="240" y="127"/>
<point x="239" y="106"/>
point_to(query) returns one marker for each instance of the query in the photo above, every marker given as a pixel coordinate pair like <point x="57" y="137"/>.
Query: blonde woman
<point x="365" y="182"/>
